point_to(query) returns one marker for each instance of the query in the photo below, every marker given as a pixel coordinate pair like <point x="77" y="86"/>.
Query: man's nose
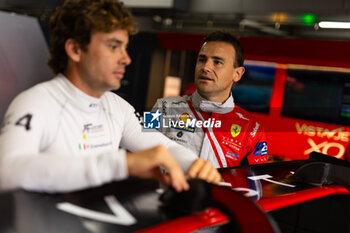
<point x="126" y="60"/>
<point x="207" y="66"/>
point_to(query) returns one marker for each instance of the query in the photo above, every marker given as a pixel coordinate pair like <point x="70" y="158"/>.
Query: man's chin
<point x="204" y="92"/>
<point x="115" y="86"/>
<point x="203" y="88"/>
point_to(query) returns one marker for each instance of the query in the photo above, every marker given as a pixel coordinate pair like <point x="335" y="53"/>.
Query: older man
<point x="208" y="122"/>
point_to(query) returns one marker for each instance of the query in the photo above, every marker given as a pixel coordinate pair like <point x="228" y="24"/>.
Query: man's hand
<point x="145" y="164"/>
<point x="204" y="170"/>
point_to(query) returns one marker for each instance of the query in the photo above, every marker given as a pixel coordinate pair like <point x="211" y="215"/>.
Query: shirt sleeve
<point x="259" y="153"/>
<point x="24" y="163"/>
<point x="135" y="138"/>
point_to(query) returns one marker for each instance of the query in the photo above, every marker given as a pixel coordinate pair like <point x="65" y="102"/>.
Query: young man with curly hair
<point x="70" y="132"/>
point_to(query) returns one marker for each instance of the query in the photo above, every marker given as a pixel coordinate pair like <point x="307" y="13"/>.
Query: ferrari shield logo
<point x="235" y="130"/>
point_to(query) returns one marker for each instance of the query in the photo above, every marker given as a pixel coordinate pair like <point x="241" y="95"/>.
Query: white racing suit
<point x="56" y="138"/>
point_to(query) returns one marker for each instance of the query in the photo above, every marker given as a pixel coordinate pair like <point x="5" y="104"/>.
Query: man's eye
<point x="218" y="62"/>
<point x="112" y="47"/>
<point x="201" y="59"/>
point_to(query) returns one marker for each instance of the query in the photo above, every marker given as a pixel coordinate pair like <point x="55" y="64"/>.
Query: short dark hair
<point x="222" y="36"/>
<point x="78" y="19"/>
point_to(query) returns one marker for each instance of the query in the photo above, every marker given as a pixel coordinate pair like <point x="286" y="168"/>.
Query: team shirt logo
<point x="240" y="115"/>
<point x="255" y="129"/>
<point x="94" y="131"/>
<point x="235" y="130"/>
<point x="151" y="120"/>
<point x="260" y="149"/>
<point x="184" y="117"/>
<point x="232" y="155"/>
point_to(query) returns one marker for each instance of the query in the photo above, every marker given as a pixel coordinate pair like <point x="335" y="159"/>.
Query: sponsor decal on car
<point x="338" y="134"/>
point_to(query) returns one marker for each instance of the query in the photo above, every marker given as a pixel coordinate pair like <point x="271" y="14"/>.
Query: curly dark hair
<point x="222" y="36"/>
<point x="78" y="19"/>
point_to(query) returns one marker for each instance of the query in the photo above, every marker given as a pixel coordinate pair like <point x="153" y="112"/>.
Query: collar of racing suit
<point x="205" y="105"/>
<point x="77" y="97"/>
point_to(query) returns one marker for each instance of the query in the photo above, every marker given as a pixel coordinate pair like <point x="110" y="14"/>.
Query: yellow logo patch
<point x="235" y="130"/>
<point x="184" y="117"/>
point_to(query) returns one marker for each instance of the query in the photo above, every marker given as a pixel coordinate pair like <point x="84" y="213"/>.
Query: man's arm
<point x="189" y="162"/>
<point x="146" y="163"/>
<point x="25" y="164"/>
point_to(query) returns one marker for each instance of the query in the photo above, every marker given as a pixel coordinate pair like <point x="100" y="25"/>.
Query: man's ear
<point x="238" y="73"/>
<point x="73" y="49"/>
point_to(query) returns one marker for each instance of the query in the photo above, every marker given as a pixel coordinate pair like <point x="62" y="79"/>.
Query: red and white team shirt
<point x="240" y="138"/>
